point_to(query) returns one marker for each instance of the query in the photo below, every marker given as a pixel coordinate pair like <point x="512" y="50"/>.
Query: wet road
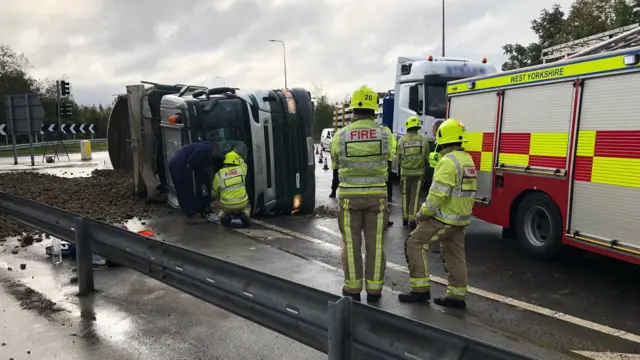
<point x="578" y="304"/>
<point x="582" y="302"/>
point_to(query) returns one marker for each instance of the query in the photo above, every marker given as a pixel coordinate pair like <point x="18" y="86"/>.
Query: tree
<point x="323" y="112"/>
<point x="585" y="18"/>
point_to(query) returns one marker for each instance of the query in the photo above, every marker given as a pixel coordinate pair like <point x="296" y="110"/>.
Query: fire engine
<point x="557" y="152"/>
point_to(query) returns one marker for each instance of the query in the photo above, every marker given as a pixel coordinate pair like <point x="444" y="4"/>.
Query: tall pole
<point x="284" y="57"/>
<point x="443" y="28"/>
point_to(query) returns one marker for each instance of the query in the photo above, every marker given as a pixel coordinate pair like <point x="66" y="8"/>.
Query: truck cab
<point x="270" y="129"/>
<point x="421" y="90"/>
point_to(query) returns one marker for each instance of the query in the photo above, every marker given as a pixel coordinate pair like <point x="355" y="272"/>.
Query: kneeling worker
<point x="229" y="186"/>
<point x="444" y="216"/>
<point x="193" y="162"/>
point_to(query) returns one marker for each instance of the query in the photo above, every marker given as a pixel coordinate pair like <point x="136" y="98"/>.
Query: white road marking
<point x="608" y="355"/>
<point x="489" y="295"/>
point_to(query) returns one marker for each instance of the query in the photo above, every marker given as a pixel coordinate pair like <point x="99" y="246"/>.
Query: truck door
<point x="174" y="123"/>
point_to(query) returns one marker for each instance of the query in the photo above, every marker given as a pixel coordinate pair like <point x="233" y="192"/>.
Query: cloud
<point x="103" y="45"/>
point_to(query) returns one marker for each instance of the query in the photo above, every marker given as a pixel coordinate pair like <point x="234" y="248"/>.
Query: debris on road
<point x="26" y="240"/>
<point x="326" y="211"/>
<point x="107" y="195"/>
<point x="31" y="299"/>
<point x="23" y="266"/>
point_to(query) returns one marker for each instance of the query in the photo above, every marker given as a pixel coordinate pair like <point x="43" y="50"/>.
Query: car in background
<point x="325" y="139"/>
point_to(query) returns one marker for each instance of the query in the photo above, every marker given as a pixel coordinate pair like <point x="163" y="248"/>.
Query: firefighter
<point x="229" y="186"/>
<point x="363" y="148"/>
<point x="413" y="152"/>
<point x="389" y="160"/>
<point x="189" y="166"/>
<point x="334" y="166"/>
<point x="444" y="216"/>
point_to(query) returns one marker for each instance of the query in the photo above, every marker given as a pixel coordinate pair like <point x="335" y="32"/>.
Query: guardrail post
<point x="340" y="329"/>
<point x="84" y="257"/>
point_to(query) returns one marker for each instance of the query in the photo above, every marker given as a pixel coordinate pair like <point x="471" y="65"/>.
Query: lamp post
<point x="224" y="82"/>
<point x="284" y="57"/>
<point x="443" y="28"/>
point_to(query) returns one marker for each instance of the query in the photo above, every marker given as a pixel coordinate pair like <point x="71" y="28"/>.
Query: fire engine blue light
<point x="630" y="60"/>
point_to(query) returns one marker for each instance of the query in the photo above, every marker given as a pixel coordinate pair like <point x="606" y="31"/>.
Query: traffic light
<point x="65" y="110"/>
<point x="65" y="88"/>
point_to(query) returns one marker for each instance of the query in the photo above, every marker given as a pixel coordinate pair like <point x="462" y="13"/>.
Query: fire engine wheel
<point x="539" y="226"/>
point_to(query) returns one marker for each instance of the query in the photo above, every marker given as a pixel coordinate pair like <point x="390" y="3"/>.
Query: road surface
<point x="583" y="304"/>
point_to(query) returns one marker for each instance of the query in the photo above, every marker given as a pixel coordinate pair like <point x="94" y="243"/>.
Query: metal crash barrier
<point x="334" y="325"/>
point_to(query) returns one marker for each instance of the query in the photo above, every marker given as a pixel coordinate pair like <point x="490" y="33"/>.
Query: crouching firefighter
<point x="362" y="148"/>
<point x="229" y="187"/>
<point x="192" y="165"/>
<point x="444" y="217"/>
<point x="413" y="153"/>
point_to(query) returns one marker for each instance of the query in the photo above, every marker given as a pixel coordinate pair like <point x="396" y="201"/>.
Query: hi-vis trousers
<point x="452" y="253"/>
<point x="368" y="215"/>
<point x="410" y="196"/>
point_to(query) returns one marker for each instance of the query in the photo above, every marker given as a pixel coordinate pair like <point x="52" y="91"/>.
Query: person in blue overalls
<point x="191" y="169"/>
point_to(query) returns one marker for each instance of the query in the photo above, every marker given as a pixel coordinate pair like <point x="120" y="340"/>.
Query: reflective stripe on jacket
<point x="452" y="193"/>
<point x="362" y="149"/>
<point x="412" y="151"/>
<point x="229" y="184"/>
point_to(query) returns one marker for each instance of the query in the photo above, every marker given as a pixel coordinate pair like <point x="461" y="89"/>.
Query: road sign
<point x="25" y="113"/>
<point x="2" y="130"/>
<point x="72" y="128"/>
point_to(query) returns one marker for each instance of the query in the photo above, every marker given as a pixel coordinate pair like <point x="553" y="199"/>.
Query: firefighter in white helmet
<point x="362" y="149"/>
<point x="413" y="153"/>
<point x="444" y="216"/>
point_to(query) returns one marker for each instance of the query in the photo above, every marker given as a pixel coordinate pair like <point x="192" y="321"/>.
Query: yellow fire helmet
<point x="412" y="123"/>
<point x="232" y="158"/>
<point x="364" y="98"/>
<point x="451" y="131"/>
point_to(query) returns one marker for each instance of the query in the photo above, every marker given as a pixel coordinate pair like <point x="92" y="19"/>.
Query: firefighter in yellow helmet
<point x="362" y="149"/>
<point x="334" y="166"/>
<point x="413" y="152"/>
<point x="229" y="186"/>
<point x="444" y="216"/>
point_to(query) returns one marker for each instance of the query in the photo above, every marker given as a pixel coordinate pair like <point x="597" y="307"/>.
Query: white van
<point x="325" y="139"/>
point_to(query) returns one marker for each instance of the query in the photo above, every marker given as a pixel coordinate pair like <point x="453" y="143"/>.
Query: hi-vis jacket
<point x="229" y="184"/>
<point x="413" y="152"/>
<point x="362" y="149"/>
<point x="453" y="189"/>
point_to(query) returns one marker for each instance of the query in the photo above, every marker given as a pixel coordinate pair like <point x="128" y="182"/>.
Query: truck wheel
<point x="539" y="226"/>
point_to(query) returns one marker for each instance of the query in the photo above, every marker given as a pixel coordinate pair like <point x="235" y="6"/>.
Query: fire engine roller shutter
<point x="606" y="189"/>
<point x="478" y="113"/>
<point x="535" y="126"/>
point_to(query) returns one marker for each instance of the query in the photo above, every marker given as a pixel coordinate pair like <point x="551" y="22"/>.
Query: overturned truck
<point x="271" y="129"/>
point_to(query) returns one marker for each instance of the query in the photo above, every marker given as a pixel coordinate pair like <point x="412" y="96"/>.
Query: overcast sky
<point x="103" y="45"/>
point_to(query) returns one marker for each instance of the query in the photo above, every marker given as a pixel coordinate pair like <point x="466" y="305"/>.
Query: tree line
<point x="16" y="79"/>
<point x="555" y="27"/>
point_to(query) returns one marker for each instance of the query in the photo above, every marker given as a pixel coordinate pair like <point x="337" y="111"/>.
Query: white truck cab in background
<point x="421" y="88"/>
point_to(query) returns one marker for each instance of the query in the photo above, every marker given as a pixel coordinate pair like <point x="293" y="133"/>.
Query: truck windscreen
<point x="224" y="124"/>
<point x="436" y="95"/>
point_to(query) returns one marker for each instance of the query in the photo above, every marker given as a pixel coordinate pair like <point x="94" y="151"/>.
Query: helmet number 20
<point x="368" y="97"/>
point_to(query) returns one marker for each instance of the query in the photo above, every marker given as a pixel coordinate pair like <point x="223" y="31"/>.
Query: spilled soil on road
<point x="107" y="195"/>
<point x="31" y="299"/>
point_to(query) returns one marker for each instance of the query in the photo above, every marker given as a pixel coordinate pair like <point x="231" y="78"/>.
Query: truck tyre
<point x="539" y="226"/>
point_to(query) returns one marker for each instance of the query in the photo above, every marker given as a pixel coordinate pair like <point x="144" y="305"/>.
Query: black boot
<point x="413" y="225"/>
<point x="355" y="297"/>
<point x="226" y="220"/>
<point x="389" y="223"/>
<point x="405" y="222"/>
<point x="373" y="298"/>
<point x="451" y="303"/>
<point x="414" y="297"/>
<point x="333" y="194"/>
<point x="245" y="220"/>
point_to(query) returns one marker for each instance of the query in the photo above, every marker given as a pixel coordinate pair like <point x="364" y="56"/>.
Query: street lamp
<point x="224" y="83"/>
<point x="443" y="28"/>
<point x="284" y="56"/>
